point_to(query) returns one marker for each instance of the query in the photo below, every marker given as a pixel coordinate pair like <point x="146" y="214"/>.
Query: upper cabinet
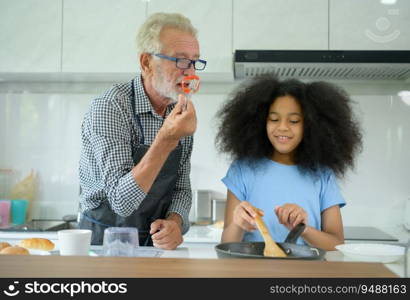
<point x="369" y="25"/>
<point x="30" y="35"/>
<point x="280" y="24"/>
<point x="213" y="19"/>
<point x="99" y="35"/>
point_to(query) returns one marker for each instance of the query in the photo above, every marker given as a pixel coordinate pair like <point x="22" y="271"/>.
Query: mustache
<point x="179" y="80"/>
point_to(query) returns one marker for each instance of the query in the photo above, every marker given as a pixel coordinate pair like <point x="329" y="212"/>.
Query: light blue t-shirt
<point x="268" y="184"/>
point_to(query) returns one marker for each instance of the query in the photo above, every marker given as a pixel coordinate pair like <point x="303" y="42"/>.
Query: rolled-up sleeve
<point x="111" y="142"/>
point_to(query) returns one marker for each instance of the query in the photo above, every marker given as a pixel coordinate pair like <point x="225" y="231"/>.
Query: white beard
<point x="165" y="88"/>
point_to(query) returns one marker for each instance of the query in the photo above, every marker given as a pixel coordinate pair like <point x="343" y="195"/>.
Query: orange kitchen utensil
<point x="190" y="85"/>
<point x="271" y="248"/>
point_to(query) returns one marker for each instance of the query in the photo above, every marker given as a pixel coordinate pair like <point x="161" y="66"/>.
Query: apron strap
<point x="94" y="221"/>
<point x="142" y="139"/>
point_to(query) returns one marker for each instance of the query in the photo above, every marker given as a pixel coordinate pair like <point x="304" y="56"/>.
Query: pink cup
<point x="5" y="206"/>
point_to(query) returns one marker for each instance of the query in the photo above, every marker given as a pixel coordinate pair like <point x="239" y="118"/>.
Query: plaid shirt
<point x="109" y="132"/>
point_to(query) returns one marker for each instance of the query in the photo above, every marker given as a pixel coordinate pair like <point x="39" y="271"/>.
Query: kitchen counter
<point x="196" y="234"/>
<point x="210" y="234"/>
<point x="200" y="234"/>
<point x="198" y="260"/>
<point x="85" y="267"/>
<point x="191" y="259"/>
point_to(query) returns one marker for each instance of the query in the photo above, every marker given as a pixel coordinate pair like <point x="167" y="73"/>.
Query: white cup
<point x="74" y="241"/>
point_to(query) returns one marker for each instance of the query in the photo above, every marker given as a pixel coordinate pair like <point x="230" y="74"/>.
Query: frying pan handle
<point x="295" y="233"/>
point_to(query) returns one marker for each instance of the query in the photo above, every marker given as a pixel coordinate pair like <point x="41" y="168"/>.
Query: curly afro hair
<point x="332" y="136"/>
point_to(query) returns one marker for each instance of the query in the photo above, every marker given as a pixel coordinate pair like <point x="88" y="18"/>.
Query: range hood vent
<point x="312" y="64"/>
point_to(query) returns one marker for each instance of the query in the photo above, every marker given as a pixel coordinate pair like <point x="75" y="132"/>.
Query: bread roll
<point x="37" y="243"/>
<point x="14" y="250"/>
<point x="219" y="224"/>
<point x="4" y="245"/>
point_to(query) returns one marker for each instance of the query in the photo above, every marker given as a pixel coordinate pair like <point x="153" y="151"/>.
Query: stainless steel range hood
<point x="317" y="64"/>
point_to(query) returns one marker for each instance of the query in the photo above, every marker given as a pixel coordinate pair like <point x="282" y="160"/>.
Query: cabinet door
<point x="213" y="19"/>
<point x="99" y="35"/>
<point x="280" y="24"/>
<point x="369" y="25"/>
<point x="30" y="35"/>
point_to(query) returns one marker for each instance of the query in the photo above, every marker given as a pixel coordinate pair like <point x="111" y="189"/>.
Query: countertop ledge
<point x="192" y="249"/>
<point x="86" y="267"/>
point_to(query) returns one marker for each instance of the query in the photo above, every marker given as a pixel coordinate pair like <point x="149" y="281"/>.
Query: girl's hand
<point x="291" y="215"/>
<point x="244" y="216"/>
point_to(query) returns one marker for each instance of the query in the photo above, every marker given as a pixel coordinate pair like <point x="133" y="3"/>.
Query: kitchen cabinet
<point x="369" y="25"/>
<point x="280" y="24"/>
<point x="99" y="35"/>
<point x="30" y="35"/>
<point x="213" y="19"/>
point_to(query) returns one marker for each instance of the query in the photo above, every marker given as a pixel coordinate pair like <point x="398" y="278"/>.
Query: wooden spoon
<point x="271" y="248"/>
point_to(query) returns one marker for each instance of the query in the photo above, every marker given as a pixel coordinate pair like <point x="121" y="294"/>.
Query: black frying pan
<point x="255" y="249"/>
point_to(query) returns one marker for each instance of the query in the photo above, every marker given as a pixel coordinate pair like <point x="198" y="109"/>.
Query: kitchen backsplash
<point x="40" y="130"/>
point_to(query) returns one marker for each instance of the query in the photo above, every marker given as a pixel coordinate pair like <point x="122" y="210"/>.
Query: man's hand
<point x="166" y="234"/>
<point x="180" y="122"/>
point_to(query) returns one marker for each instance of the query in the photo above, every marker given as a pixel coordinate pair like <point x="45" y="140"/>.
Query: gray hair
<point x="148" y="35"/>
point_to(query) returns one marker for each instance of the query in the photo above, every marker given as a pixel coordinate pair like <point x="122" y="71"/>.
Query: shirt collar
<point x="142" y="102"/>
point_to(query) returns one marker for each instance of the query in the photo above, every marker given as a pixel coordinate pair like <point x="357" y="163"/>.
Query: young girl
<point x="289" y="140"/>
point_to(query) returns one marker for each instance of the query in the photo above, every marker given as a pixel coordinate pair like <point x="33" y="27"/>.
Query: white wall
<point x="378" y="188"/>
<point x="40" y="130"/>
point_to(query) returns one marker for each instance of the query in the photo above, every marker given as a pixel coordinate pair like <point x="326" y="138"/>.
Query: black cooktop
<point x="363" y="233"/>
<point x="38" y="225"/>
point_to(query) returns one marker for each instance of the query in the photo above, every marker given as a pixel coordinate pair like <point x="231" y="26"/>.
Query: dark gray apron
<point x="154" y="206"/>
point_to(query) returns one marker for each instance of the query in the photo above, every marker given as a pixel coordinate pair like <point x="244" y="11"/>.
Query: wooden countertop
<point x="93" y="267"/>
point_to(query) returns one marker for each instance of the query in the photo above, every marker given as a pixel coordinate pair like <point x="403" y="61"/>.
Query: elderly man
<point x="137" y="141"/>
